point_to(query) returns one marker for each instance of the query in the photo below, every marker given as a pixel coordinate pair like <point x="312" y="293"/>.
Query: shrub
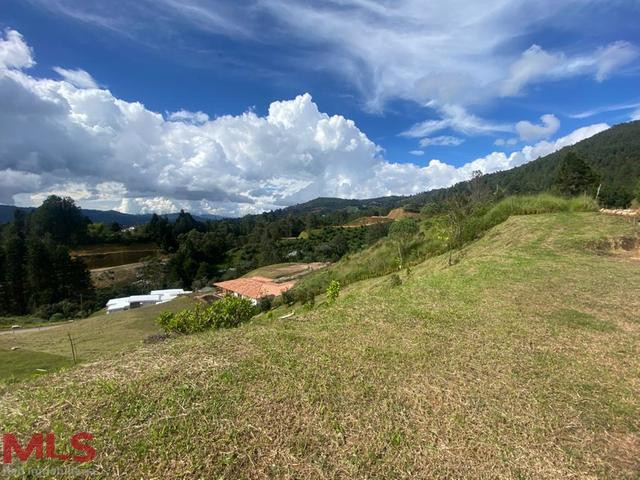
<point x="333" y="290"/>
<point x="64" y="309"/>
<point x="394" y="280"/>
<point x="56" y="317"/>
<point x="266" y="304"/>
<point x="228" y="312"/>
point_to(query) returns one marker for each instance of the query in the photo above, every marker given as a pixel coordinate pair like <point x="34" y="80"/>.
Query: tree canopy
<point x="60" y="218"/>
<point x="575" y="177"/>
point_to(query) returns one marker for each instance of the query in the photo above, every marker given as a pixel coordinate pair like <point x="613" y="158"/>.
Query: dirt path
<point x="18" y="331"/>
<point x="126" y="266"/>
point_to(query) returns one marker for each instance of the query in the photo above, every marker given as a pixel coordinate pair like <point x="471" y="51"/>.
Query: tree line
<point x="37" y="273"/>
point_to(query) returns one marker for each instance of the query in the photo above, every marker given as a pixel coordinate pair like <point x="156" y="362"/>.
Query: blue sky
<point x="162" y="105"/>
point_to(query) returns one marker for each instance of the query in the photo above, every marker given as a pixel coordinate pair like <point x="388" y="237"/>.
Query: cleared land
<point x="520" y="361"/>
<point x="390" y="217"/>
<point x="286" y="270"/>
<point x="120" y="275"/>
<point x="94" y="337"/>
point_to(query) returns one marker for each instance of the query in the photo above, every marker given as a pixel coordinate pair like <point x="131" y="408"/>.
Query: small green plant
<point x="402" y="231"/>
<point x="333" y="290"/>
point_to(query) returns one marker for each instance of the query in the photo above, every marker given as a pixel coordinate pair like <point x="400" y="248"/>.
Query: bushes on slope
<point x="228" y="312"/>
<point x="433" y="239"/>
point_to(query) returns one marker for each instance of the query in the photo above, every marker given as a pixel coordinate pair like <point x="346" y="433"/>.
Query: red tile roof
<point x="255" y="287"/>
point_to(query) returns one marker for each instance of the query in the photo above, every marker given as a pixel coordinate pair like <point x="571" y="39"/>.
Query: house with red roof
<point x="253" y="288"/>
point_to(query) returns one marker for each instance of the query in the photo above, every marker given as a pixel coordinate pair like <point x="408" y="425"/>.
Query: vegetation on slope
<point x="519" y="361"/>
<point x="435" y="238"/>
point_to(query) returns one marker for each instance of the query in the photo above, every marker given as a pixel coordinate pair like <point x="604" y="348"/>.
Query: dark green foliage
<point x="196" y="255"/>
<point x="159" y="230"/>
<point x="394" y="280"/>
<point x="265" y="304"/>
<point x="375" y="232"/>
<point x="613" y="154"/>
<point x="14" y="263"/>
<point x="54" y="277"/>
<point x="228" y="312"/>
<point x="575" y="177"/>
<point x="37" y="270"/>
<point x="185" y="223"/>
<point x="615" y="197"/>
<point x="60" y="218"/>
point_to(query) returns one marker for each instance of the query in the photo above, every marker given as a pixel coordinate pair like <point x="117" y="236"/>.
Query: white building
<point x="137" y="301"/>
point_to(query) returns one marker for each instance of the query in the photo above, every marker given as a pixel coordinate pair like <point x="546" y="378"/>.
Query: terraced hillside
<point x="520" y="361"/>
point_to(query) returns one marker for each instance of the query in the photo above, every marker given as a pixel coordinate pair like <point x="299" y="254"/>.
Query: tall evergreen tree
<point x="42" y="284"/>
<point x="4" y="305"/>
<point x="61" y="218"/>
<point x="14" y="248"/>
<point x="575" y="177"/>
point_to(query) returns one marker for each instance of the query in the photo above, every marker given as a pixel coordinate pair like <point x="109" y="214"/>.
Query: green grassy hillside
<point x="382" y="257"/>
<point x="96" y="337"/>
<point x="520" y="361"/>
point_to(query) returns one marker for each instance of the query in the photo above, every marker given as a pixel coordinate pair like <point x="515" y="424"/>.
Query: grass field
<point x="521" y="361"/>
<point x="22" y="320"/>
<point x="94" y="337"/>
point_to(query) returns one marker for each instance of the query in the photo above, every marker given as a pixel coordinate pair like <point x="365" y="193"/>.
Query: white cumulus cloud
<point x="529" y="131"/>
<point x="60" y="137"/>
<point x="14" y="52"/>
<point x="189" y="117"/>
<point x="78" y="78"/>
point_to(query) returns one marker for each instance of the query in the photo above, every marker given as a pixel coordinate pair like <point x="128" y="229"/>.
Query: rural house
<point x="253" y="288"/>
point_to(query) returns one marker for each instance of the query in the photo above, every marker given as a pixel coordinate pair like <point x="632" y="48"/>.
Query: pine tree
<point x="14" y="248"/>
<point x="41" y="283"/>
<point x="4" y="305"/>
<point x="61" y="218"/>
<point x="575" y="177"/>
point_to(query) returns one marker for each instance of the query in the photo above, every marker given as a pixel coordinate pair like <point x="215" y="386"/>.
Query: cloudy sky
<point x="234" y="107"/>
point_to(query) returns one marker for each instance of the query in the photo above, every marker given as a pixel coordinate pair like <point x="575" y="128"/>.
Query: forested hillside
<point x="613" y="154"/>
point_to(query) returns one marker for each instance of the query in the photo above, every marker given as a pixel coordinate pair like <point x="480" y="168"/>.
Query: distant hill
<point x="614" y="154"/>
<point x="330" y="204"/>
<point x="104" y="216"/>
